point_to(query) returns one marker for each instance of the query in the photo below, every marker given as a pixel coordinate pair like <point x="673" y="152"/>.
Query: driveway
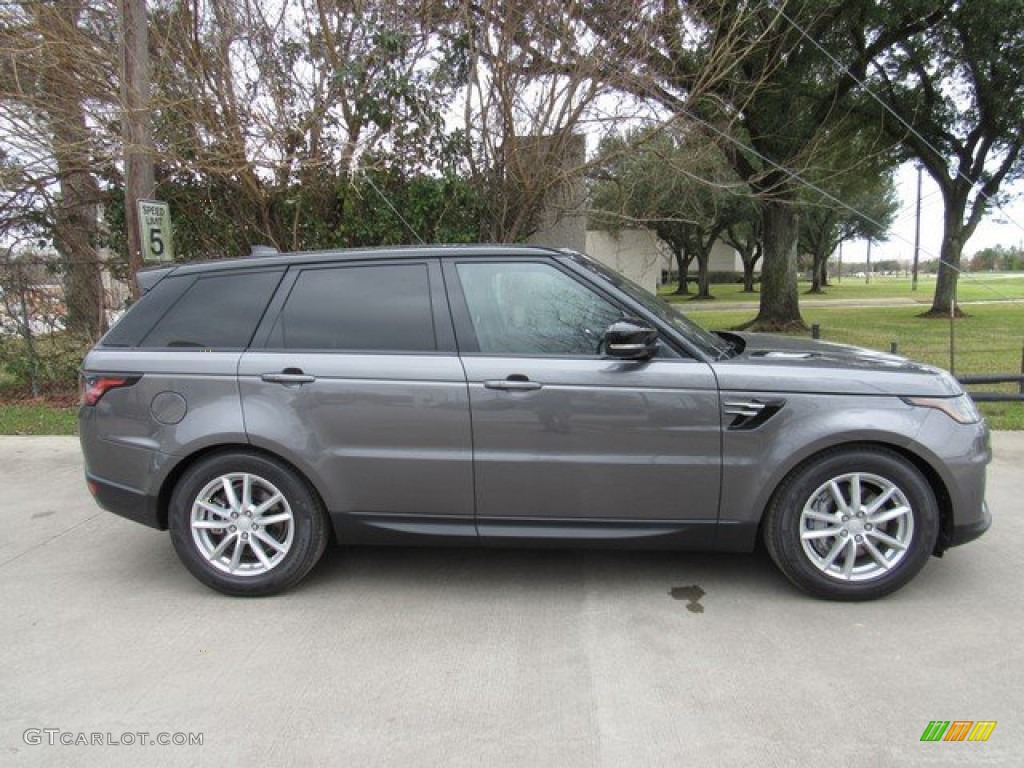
<point x="441" y="657"/>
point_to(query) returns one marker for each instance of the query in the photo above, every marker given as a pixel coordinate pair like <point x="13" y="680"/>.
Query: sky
<point x="999" y="227"/>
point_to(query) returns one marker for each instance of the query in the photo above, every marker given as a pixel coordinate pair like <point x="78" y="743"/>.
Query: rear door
<point x="353" y="376"/>
<point x="566" y="442"/>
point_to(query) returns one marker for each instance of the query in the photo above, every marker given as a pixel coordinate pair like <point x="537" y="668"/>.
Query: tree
<point x="855" y="199"/>
<point x="745" y="235"/>
<point x="756" y="75"/>
<point x="954" y="97"/>
<point x="56" y="85"/>
<point x="266" y="114"/>
<point x="675" y="183"/>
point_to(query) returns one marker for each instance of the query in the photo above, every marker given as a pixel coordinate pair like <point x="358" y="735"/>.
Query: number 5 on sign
<point x="155" y="231"/>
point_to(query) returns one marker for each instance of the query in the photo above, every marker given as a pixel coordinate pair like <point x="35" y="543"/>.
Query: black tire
<point x="806" y="524"/>
<point x="205" y="541"/>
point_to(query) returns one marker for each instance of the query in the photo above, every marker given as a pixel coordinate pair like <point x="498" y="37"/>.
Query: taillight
<point x="96" y="385"/>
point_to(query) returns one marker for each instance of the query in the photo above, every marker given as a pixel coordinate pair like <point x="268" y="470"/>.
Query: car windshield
<point x="707" y="342"/>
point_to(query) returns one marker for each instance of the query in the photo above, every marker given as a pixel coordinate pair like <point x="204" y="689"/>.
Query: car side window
<point x="383" y="308"/>
<point x="531" y="308"/>
<point x="216" y="312"/>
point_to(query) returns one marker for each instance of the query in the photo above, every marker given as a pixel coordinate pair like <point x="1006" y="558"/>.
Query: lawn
<point x="27" y="418"/>
<point x="982" y="286"/>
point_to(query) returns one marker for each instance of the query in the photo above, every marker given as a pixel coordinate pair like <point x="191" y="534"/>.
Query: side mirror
<point x="630" y="339"/>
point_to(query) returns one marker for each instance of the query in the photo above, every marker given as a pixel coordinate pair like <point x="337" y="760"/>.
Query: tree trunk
<point x="750" y="260"/>
<point x="683" y="267"/>
<point x="703" y="278"/>
<point x="818" y="273"/>
<point x="780" y="304"/>
<point x="949" y="260"/>
<point x="76" y="217"/>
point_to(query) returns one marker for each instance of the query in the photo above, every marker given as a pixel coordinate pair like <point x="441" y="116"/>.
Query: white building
<point x="641" y="256"/>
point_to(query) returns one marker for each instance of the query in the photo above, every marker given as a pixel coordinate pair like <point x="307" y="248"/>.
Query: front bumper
<point x="964" y="533"/>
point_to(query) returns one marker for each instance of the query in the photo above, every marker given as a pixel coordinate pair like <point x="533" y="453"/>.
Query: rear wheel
<point x="852" y="524"/>
<point x="245" y="524"/>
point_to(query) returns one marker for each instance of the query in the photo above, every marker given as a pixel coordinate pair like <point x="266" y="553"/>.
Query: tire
<point x="834" y="545"/>
<point x="251" y="549"/>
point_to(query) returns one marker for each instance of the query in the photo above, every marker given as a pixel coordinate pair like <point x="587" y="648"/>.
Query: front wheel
<point x="245" y="524"/>
<point x="852" y="524"/>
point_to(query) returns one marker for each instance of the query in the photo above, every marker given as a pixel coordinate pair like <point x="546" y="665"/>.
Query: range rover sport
<point x="504" y="395"/>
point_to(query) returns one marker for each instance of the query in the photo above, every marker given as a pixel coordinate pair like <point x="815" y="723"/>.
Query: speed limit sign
<point x="155" y="231"/>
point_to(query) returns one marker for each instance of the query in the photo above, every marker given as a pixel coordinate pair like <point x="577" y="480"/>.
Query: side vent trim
<point x="750" y="414"/>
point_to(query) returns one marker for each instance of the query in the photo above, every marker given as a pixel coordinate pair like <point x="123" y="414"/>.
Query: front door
<point x="567" y="443"/>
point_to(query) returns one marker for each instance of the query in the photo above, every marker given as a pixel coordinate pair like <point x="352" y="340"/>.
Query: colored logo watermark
<point x="958" y="730"/>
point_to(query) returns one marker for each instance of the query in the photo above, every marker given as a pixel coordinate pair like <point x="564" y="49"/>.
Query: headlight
<point x="961" y="409"/>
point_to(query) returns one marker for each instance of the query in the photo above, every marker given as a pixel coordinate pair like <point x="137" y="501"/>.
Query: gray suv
<point x="500" y="396"/>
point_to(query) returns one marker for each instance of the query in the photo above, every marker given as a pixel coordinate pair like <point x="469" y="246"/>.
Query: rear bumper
<point x="964" y="533"/>
<point x="126" y="502"/>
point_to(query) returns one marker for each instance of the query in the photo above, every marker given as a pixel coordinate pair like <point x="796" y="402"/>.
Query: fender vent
<point x="750" y="414"/>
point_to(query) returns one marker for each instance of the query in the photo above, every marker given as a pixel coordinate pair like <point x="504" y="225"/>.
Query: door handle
<point x="513" y="384"/>
<point x="288" y="376"/>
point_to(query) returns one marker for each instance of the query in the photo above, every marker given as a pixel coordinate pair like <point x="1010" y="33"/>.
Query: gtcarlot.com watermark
<point x="57" y="737"/>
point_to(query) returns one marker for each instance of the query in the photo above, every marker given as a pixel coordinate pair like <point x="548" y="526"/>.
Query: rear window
<point x="137" y="321"/>
<point x="382" y="308"/>
<point x="216" y="312"/>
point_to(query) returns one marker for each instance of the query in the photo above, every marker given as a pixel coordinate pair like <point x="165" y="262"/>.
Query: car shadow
<point x="470" y="571"/>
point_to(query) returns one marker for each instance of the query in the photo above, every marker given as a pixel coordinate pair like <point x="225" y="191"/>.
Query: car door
<point x="568" y="443"/>
<point x="354" y="377"/>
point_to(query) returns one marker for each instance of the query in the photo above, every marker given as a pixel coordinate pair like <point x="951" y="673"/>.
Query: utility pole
<point x="867" y="274"/>
<point x="917" y="231"/>
<point x="136" y="123"/>
<point x="840" y="271"/>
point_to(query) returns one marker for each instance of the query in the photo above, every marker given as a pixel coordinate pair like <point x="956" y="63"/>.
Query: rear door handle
<point x="513" y="384"/>
<point x="288" y="376"/>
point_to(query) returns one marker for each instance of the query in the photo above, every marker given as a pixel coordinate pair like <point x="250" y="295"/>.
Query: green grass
<point x="37" y="419"/>
<point x="971" y="287"/>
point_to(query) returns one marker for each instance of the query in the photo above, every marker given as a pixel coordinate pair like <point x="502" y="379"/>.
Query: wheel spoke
<point x="878" y="556"/>
<point x="266" y="538"/>
<point x="211" y="525"/>
<point x="236" y="556"/>
<point x="214" y="509"/>
<point x="833" y="554"/>
<point x="851" y="558"/>
<point x="821" y="517"/>
<point x="255" y="546"/>
<point x="877" y="503"/>
<point x="271" y="519"/>
<point x="269" y="503"/>
<point x="837" y="494"/>
<point x="217" y="551"/>
<point x="855" y="494"/>
<point x="886" y="539"/>
<point x="889" y="514"/>
<point x="819" y="533"/>
<point x="246" y="491"/>
<point x="229" y="493"/>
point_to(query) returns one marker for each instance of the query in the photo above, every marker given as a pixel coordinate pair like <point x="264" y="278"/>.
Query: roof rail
<point x="263" y="250"/>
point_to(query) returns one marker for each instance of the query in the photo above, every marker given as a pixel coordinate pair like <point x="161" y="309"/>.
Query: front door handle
<point x="514" y="383"/>
<point x="288" y="376"/>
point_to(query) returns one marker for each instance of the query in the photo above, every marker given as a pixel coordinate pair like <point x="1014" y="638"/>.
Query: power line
<point x="394" y="210"/>
<point x="839" y="65"/>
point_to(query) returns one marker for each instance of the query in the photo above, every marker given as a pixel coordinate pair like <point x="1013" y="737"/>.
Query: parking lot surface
<point x="444" y="657"/>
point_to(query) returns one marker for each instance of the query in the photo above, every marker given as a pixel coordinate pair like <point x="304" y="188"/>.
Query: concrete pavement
<point x="442" y="657"/>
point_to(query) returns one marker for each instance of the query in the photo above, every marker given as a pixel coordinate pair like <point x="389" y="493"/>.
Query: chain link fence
<point x="38" y="354"/>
